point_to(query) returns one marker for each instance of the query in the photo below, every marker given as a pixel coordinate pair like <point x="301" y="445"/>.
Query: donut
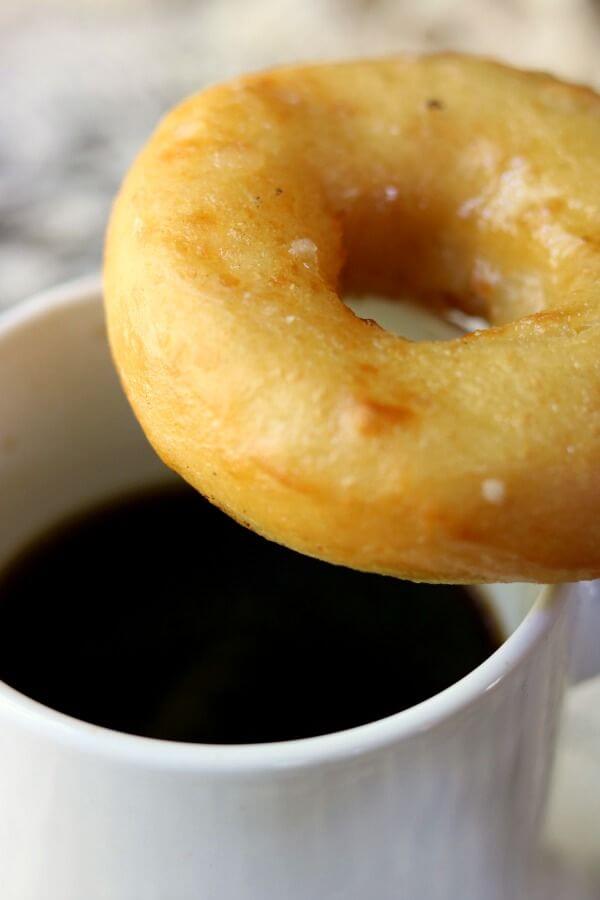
<point x="259" y="204"/>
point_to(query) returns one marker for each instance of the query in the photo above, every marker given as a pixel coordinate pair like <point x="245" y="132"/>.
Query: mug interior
<point x="68" y="438"/>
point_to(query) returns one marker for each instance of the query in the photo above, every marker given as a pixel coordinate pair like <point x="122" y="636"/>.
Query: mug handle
<point x="585" y="652"/>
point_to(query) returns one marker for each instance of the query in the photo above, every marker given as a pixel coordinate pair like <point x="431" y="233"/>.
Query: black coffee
<point x="158" y="615"/>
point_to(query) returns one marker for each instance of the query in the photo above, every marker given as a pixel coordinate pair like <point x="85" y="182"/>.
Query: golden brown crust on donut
<point x="458" y="179"/>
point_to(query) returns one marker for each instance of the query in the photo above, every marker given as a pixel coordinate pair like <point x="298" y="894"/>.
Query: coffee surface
<point x="158" y="615"/>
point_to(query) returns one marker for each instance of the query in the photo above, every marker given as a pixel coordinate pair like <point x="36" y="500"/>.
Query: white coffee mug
<point x="439" y="802"/>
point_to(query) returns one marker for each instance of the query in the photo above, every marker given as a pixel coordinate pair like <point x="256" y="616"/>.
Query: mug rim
<point x="281" y="755"/>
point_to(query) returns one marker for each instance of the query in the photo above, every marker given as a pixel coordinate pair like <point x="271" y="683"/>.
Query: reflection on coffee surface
<point x="160" y="616"/>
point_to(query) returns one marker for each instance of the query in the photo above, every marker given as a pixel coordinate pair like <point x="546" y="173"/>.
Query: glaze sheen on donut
<point x="256" y="203"/>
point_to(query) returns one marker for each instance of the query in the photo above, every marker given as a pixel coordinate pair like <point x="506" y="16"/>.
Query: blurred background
<point x="84" y="81"/>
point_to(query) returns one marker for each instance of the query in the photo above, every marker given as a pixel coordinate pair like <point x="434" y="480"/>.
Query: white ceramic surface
<point x="569" y="867"/>
<point x="439" y="802"/>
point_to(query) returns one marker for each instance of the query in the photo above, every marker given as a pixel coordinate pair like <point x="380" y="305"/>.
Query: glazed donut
<point x="257" y="204"/>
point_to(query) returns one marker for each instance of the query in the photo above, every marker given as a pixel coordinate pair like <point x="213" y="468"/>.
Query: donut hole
<point x="419" y="249"/>
<point x="409" y="319"/>
<point x="413" y="271"/>
<point x="460" y="224"/>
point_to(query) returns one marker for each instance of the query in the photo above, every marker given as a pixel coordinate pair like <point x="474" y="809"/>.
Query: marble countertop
<point x="84" y="81"/>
